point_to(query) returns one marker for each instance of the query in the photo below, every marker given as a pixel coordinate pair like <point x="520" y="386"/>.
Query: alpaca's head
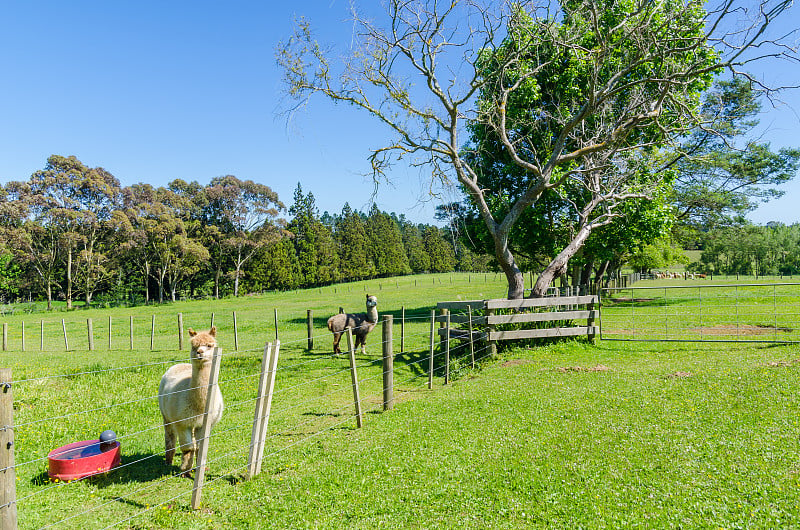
<point x="372" y="301"/>
<point x="203" y="344"/>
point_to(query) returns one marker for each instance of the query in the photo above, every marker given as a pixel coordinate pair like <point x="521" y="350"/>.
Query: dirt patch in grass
<point x="678" y="375"/>
<point x="777" y="364"/>
<point x="598" y="368"/>
<point x="515" y="362"/>
<point x="741" y="329"/>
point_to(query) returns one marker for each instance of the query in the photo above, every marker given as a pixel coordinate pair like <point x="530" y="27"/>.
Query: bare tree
<point x="574" y="94"/>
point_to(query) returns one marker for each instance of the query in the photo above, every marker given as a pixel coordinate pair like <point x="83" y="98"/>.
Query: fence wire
<point x="767" y="313"/>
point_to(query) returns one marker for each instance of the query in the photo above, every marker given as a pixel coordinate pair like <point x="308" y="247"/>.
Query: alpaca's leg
<point x="337" y="336"/>
<point x="187" y="450"/>
<point x="169" y="443"/>
<point x="360" y="341"/>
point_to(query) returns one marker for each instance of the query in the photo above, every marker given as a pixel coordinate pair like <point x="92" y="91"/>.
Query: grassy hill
<point x="563" y="436"/>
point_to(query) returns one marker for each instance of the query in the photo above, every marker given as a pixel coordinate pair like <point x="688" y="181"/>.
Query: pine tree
<point x="386" y="244"/>
<point x="351" y="237"/>
<point x="418" y="258"/>
<point x="440" y="251"/>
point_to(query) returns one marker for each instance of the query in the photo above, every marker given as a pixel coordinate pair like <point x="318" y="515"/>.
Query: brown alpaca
<point x="361" y="324"/>
<point x="182" y="397"/>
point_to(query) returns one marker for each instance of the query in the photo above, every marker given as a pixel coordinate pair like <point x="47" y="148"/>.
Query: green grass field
<point x="569" y="435"/>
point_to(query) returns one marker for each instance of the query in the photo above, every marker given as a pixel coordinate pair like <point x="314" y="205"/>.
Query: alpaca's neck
<point x="372" y="314"/>
<point x="198" y="392"/>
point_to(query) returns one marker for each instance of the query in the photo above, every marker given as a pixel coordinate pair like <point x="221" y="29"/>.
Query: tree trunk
<point x="147" y="283"/>
<point x="514" y="276"/>
<point x="216" y="281"/>
<point x="586" y="273"/>
<point x="236" y="283"/>
<point x="559" y="265"/>
<point x="49" y="297"/>
<point x="598" y="277"/>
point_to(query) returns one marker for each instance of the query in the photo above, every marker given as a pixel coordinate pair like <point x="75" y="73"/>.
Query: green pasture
<point x="568" y="435"/>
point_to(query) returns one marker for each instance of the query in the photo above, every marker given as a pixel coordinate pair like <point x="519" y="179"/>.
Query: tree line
<point x="73" y="232"/>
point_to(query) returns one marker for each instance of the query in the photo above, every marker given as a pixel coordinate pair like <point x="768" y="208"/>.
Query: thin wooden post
<point x="8" y="501"/>
<point x="64" y="329"/>
<point x="590" y="321"/>
<point x="430" y="359"/>
<point x="212" y="320"/>
<point x="471" y="340"/>
<point x="447" y="351"/>
<point x="23" y="335"/>
<point x="442" y="312"/>
<point x="255" y="436"/>
<point x="131" y="327"/>
<point x="180" y="331"/>
<point x="236" y="333"/>
<point x="109" y="332"/>
<point x="205" y="430"/>
<point x="388" y="364"/>
<point x="41" y="335"/>
<point x="276" y="323"/>
<point x="403" y="329"/>
<point x="489" y="329"/>
<point x="262" y="437"/>
<point x="152" y="332"/>
<point x="90" y="333"/>
<point x="5" y="336"/>
<point x="354" y="378"/>
<point x="310" y="326"/>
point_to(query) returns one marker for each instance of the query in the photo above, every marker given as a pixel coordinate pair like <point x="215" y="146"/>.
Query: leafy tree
<point x="275" y="266"/>
<point x="721" y="172"/>
<point x="580" y="96"/>
<point x="246" y="215"/>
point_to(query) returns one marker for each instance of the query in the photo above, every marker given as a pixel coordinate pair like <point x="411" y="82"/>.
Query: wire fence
<point x="705" y="313"/>
<point x="313" y="397"/>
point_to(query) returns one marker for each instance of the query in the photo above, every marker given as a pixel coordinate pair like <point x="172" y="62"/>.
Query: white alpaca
<point x="182" y="397"/>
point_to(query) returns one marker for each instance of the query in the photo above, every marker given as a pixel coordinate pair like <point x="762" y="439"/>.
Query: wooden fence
<point x="571" y="316"/>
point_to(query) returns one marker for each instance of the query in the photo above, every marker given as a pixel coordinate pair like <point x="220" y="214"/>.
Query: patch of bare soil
<point x="678" y="375"/>
<point x="775" y="364"/>
<point x="515" y="362"/>
<point x="598" y="368"/>
<point x="741" y="329"/>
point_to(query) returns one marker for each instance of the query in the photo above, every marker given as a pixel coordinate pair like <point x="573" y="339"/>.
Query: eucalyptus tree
<point x="246" y="215"/>
<point x="578" y="94"/>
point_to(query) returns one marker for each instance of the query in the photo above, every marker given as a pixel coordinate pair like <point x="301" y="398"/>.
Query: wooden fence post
<point x="447" y="350"/>
<point x="590" y="321"/>
<point x="267" y="405"/>
<point x="23" y="335"/>
<point x="8" y="501"/>
<point x="403" y="329"/>
<point x="236" y="333"/>
<point x="354" y="378"/>
<point x="152" y="332"/>
<point x="276" y="323"/>
<point x="255" y="436"/>
<point x="205" y="431"/>
<point x="430" y="359"/>
<point x="5" y="336"/>
<point x="64" y="329"/>
<point x="180" y="331"/>
<point x="131" y="331"/>
<point x="109" y="332"/>
<point x="212" y="320"/>
<point x="310" y="326"/>
<point x="471" y="340"/>
<point x="90" y="333"/>
<point x="489" y="330"/>
<point x="41" y="335"/>
<point x="388" y="364"/>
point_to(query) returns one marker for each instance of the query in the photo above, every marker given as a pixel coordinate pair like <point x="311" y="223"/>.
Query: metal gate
<point x="702" y="313"/>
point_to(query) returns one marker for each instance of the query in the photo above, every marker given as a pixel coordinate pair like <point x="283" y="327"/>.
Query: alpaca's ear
<point x="367" y="297"/>
<point x="192" y="332"/>
<point x="213" y="331"/>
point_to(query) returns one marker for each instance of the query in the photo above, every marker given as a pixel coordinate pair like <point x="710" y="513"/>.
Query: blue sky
<point x="154" y="91"/>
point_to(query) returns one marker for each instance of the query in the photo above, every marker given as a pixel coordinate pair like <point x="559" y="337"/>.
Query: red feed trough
<point x="83" y="459"/>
